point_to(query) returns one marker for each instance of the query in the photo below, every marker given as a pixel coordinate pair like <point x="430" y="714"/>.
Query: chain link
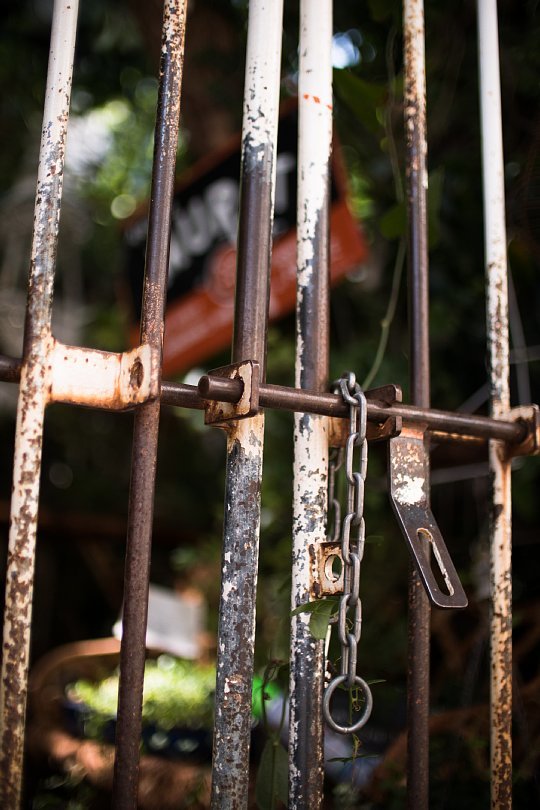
<point x="351" y="532"/>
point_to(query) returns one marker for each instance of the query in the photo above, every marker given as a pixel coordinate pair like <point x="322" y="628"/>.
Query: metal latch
<point x="409" y="494"/>
<point x="247" y="373"/>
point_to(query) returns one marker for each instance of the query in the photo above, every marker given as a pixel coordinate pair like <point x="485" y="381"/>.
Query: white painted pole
<point x="497" y="334"/>
<point x="33" y="397"/>
<point x="310" y="431"/>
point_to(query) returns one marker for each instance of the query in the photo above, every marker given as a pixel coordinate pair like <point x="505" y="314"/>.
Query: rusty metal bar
<point x="295" y="399"/>
<point x="448" y="425"/>
<point x="33" y="396"/>
<point x="310" y="484"/>
<point x="146" y="424"/>
<point x="498" y="349"/>
<point x="416" y="176"/>
<point x="236" y="634"/>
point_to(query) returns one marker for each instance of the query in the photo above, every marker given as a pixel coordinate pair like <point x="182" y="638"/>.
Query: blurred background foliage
<point x="86" y="453"/>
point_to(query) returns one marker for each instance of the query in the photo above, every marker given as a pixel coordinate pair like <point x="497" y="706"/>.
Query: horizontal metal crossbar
<point x="281" y="397"/>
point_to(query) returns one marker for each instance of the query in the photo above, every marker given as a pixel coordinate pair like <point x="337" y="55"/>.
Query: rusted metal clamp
<point x="246" y="373"/>
<point x="529" y="416"/>
<point x="101" y="379"/>
<point x="408" y="471"/>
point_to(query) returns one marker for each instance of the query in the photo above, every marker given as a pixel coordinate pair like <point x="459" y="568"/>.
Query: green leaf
<point x="272" y="776"/>
<point x="393" y="224"/>
<point x="361" y="97"/>
<point x="321" y="612"/>
<point x="320" y="620"/>
<point x="315" y="606"/>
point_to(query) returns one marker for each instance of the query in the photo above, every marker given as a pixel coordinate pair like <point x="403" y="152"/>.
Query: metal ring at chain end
<point x="366" y="711"/>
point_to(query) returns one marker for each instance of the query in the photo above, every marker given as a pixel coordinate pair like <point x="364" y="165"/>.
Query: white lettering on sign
<point x="212" y="217"/>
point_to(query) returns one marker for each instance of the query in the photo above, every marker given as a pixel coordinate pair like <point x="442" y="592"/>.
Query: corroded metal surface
<point x="103" y="379"/>
<point x="217" y="412"/>
<point x="385" y="411"/>
<point x="384" y="407"/>
<point x="409" y="493"/>
<point x="146" y="426"/>
<point x="35" y="381"/>
<point x="236" y="636"/>
<point x="245" y="438"/>
<point x="311" y="372"/>
<point x="498" y="349"/>
<point x="416" y="177"/>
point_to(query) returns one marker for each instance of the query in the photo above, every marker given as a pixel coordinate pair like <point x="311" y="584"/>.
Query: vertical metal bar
<point x="416" y="174"/>
<point x="34" y="388"/>
<point x="310" y="431"/>
<point x="236" y="634"/>
<point x="497" y="335"/>
<point x="146" y="424"/>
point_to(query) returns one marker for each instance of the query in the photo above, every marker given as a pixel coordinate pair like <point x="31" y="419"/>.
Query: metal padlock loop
<point x="358" y="683"/>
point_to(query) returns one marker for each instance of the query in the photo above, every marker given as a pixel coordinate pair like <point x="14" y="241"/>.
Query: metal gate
<point x="235" y="398"/>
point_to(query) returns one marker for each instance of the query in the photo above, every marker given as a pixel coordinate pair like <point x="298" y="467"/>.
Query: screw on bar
<point x="416" y="176"/>
<point x="498" y="351"/>
<point x="146" y="424"/>
<point x="31" y="405"/>
<point x="236" y="632"/>
<point x="311" y="372"/>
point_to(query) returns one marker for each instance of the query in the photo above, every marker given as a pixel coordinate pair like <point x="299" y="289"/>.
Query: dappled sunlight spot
<point x="123" y="206"/>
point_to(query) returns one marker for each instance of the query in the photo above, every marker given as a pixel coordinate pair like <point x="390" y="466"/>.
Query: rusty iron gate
<point x="235" y="398"/>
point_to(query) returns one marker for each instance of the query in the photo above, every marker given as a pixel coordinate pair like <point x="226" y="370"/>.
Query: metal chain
<point x="351" y="531"/>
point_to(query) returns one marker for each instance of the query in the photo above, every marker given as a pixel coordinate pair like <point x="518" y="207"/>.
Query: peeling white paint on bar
<point x="104" y="379"/>
<point x="310" y="431"/>
<point x="497" y="327"/>
<point x="35" y="379"/>
<point x="263" y="69"/>
<point x="230" y="771"/>
<point x="315" y="123"/>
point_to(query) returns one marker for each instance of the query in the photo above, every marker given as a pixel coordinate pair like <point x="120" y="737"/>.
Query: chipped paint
<point x="410" y="490"/>
<point x="102" y="379"/>
<point x="409" y="493"/>
<point x="33" y="394"/>
<point x="230" y="771"/>
<point x="237" y="613"/>
<point x="311" y="372"/>
<point x="498" y="349"/>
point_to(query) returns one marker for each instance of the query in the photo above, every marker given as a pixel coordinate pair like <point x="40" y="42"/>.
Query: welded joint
<point x="385" y="396"/>
<point x="219" y="413"/>
<point x="329" y="572"/>
<point x="529" y="417"/>
<point x="408" y="469"/>
<point x="110" y="380"/>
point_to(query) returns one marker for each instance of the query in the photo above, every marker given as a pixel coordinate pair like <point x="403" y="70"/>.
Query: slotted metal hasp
<point x="409" y="494"/>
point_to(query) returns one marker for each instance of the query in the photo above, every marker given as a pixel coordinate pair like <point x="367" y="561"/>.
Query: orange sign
<point x="200" y="304"/>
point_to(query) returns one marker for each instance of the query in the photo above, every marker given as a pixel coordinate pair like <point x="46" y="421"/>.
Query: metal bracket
<point x="219" y="413"/>
<point x="409" y="494"/>
<point x="385" y="396"/>
<point x="329" y="580"/>
<point x="529" y="415"/>
<point x="103" y="379"/>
